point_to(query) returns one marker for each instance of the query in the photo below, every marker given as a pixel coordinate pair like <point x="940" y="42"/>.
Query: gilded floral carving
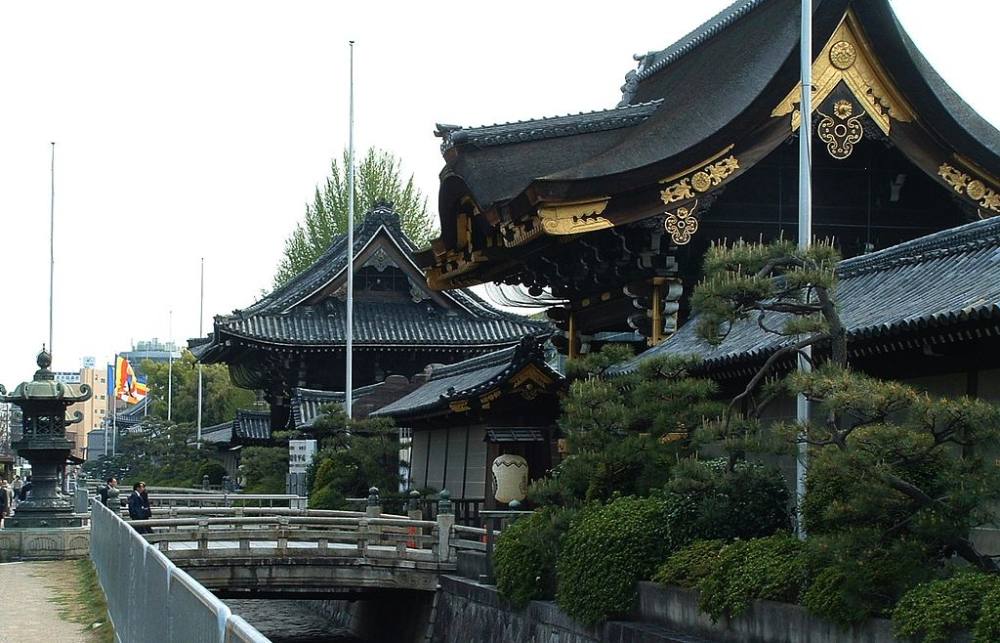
<point x="703" y="180"/>
<point x="973" y="188"/>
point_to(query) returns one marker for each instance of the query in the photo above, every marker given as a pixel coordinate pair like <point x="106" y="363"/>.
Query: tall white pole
<point x="201" y="318"/>
<point x="114" y="411"/>
<point x="170" y="366"/>
<point x="349" y="375"/>
<point x="805" y="237"/>
<point x="52" y="242"/>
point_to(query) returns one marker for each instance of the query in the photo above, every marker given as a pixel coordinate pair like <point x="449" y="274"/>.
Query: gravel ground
<point x="28" y="590"/>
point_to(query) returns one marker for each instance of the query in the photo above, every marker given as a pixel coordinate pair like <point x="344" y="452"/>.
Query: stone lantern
<point x="44" y="444"/>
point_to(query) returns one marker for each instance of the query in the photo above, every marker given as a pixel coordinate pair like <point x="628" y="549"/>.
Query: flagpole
<point x="114" y="411"/>
<point x="170" y="365"/>
<point x="201" y="318"/>
<point x="52" y="242"/>
<point x="349" y="375"/>
<point x="805" y="237"/>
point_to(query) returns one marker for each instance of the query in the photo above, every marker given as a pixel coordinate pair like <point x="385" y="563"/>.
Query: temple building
<point x="612" y="211"/>
<point x="292" y="341"/>
<point x="467" y="414"/>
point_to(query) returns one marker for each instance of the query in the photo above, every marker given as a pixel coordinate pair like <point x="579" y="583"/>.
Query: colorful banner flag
<point x="128" y="388"/>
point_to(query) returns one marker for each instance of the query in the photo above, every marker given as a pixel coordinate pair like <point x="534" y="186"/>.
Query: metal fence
<point x="151" y="600"/>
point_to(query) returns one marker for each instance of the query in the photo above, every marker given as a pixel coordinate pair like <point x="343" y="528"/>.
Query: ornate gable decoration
<point x="848" y="58"/>
<point x="969" y="184"/>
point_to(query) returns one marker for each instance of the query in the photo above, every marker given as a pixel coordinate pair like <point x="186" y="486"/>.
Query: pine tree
<point x="377" y="178"/>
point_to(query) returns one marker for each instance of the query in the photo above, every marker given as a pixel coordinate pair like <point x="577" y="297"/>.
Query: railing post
<point x="445" y="521"/>
<point x="491" y="524"/>
<point x="363" y="536"/>
<point x="203" y="535"/>
<point x="374" y="508"/>
<point x="283" y="535"/>
<point x="413" y="510"/>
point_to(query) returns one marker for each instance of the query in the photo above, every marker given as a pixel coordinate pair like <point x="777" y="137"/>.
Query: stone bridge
<point x="296" y="553"/>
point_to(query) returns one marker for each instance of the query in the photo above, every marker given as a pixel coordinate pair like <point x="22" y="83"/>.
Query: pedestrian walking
<point x="6" y="501"/>
<point x="25" y="489"/>
<point x="138" y="506"/>
<point x="109" y="494"/>
<point x="16" y="488"/>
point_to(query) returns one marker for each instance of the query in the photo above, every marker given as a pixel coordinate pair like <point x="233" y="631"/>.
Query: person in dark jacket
<point x="109" y="494"/>
<point x="138" y="506"/>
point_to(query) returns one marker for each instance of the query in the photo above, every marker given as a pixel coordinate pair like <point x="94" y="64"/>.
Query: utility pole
<point x="201" y="318"/>
<point x="349" y="375"/>
<point x="805" y="238"/>
<point x="52" y="242"/>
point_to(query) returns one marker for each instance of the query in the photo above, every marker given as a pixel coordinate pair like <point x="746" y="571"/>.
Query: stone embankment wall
<point x="764" y="622"/>
<point x="465" y="611"/>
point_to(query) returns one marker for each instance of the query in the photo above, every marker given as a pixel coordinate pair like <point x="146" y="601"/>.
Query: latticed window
<point x="390" y="279"/>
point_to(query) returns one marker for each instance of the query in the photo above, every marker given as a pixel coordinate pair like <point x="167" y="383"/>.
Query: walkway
<point x="31" y="590"/>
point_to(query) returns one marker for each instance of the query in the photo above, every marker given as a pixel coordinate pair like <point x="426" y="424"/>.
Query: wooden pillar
<point x="573" y="352"/>
<point x="657" y="314"/>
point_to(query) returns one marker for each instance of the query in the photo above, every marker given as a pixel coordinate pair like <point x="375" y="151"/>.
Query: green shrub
<point x="609" y="548"/>
<point x="525" y="556"/>
<point x="751" y="501"/>
<point x="855" y="575"/>
<point x="328" y="498"/>
<point x="688" y="566"/>
<point x="770" y="568"/>
<point x="988" y="625"/>
<point x="935" y="611"/>
<point x="214" y="470"/>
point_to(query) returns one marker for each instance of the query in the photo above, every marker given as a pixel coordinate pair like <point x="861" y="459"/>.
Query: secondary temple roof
<point x="456" y="387"/>
<point x="248" y="428"/>
<point x="931" y="285"/>
<point x="310" y="310"/>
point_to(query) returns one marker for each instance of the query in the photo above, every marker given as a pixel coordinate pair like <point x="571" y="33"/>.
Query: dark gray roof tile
<point x="468" y="378"/>
<point x="945" y="278"/>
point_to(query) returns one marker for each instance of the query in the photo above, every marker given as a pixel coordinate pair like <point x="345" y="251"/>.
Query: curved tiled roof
<point x="468" y="378"/>
<point x="307" y="403"/>
<point x="654" y="61"/>
<point x="548" y="127"/>
<point x="383" y="323"/>
<point x="282" y="318"/>
<point x="943" y="279"/>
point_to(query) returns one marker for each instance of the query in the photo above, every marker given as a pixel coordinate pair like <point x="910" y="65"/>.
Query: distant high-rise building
<point x="152" y="349"/>
<point x="92" y="410"/>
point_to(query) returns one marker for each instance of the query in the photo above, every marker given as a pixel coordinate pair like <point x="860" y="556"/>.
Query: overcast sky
<point x="200" y="129"/>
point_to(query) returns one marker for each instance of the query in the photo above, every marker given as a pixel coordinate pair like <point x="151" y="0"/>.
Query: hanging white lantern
<point x="510" y="478"/>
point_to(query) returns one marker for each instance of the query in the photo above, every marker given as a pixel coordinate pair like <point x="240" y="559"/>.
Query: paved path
<point x="29" y="589"/>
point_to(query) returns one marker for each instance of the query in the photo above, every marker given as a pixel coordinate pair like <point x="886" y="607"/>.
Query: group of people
<point x="11" y="493"/>
<point x="138" y="501"/>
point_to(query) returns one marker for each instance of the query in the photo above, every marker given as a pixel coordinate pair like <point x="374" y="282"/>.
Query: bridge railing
<point x="151" y="599"/>
<point x="358" y="535"/>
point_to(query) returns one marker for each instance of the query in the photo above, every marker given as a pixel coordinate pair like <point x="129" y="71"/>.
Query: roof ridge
<point x="252" y="413"/>
<point x="654" y="61"/>
<point x="530" y="345"/>
<point x="971" y="236"/>
<point x="495" y="358"/>
<point x="547" y="126"/>
<point x="381" y="213"/>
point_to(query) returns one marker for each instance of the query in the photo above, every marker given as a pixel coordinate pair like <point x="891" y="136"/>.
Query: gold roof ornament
<point x="848" y="58"/>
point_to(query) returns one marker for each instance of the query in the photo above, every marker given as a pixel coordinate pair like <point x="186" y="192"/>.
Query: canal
<point x="290" y="621"/>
